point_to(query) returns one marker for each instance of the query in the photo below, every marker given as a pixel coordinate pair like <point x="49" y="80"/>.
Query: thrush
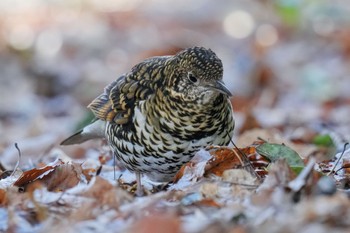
<point x="158" y="115"/>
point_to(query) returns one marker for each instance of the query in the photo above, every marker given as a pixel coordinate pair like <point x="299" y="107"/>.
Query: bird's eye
<point x="192" y="78"/>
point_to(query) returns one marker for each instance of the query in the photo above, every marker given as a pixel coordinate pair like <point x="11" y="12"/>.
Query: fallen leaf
<point x="209" y="189"/>
<point x="157" y="224"/>
<point x="64" y="177"/>
<point x="280" y="175"/>
<point x="102" y="159"/>
<point x="57" y="177"/>
<point x="207" y="202"/>
<point x="223" y="159"/>
<point x="277" y="151"/>
<point x="3" y="197"/>
<point x="194" y="168"/>
<point x="36" y="173"/>
<point x="345" y="166"/>
<point x="239" y="176"/>
<point x="181" y="172"/>
<point x="323" y="140"/>
<point x="109" y="195"/>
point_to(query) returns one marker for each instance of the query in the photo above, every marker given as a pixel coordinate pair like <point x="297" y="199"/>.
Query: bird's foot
<point x="139" y="190"/>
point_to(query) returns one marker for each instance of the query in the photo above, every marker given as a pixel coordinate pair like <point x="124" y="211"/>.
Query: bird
<point x="159" y="114"/>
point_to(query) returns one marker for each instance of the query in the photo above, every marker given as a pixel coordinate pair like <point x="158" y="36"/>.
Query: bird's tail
<point x="91" y="131"/>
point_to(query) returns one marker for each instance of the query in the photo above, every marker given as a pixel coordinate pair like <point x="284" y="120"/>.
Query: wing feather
<point x="116" y="104"/>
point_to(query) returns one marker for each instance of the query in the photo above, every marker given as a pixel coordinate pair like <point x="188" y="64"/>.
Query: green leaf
<point x="323" y="140"/>
<point x="297" y="169"/>
<point x="274" y="151"/>
<point x="290" y="12"/>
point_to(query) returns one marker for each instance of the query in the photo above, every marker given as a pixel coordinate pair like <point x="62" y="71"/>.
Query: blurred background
<point x="285" y="61"/>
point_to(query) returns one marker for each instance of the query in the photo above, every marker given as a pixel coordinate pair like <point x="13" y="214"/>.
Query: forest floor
<point x="288" y="69"/>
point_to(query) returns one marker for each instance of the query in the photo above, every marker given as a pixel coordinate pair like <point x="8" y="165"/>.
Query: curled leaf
<point x="274" y="152"/>
<point x="36" y="173"/>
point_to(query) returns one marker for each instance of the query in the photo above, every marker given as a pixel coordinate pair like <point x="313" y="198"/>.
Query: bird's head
<point x="196" y="76"/>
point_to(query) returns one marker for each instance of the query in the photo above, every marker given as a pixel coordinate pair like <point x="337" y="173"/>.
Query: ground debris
<point x="286" y="63"/>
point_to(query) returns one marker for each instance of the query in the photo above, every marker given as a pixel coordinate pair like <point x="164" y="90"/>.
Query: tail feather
<point x="91" y="131"/>
<point x="76" y="138"/>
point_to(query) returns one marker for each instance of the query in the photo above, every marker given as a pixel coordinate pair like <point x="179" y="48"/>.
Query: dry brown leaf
<point x="225" y="158"/>
<point x="102" y="159"/>
<point x="64" y="177"/>
<point x="331" y="210"/>
<point x="181" y="172"/>
<point x="101" y="197"/>
<point x="209" y="189"/>
<point x="3" y="197"/>
<point x="36" y="173"/>
<point x="239" y="176"/>
<point x="57" y="177"/>
<point x="88" y="173"/>
<point x="207" y="203"/>
<point x="346" y="166"/>
<point x="222" y="160"/>
<point x="108" y="196"/>
<point x="157" y="224"/>
<point x="280" y="174"/>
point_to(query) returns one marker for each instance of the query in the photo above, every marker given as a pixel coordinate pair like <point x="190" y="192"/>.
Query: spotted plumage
<point x="164" y="110"/>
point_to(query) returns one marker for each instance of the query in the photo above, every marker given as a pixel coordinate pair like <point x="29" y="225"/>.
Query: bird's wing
<point x="116" y="104"/>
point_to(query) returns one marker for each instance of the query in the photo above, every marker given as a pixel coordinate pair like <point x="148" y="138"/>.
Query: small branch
<point x="298" y="183"/>
<point x="19" y="159"/>
<point x="245" y="158"/>
<point x="335" y="165"/>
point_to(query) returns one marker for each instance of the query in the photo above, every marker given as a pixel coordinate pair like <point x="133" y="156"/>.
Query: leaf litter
<point x="215" y="190"/>
<point x="291" y="99"/>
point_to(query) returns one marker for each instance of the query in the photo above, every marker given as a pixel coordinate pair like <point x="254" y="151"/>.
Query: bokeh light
<point x="239" y="24"/>
<point x="20" y="37"/>
<point x="112" y="5"/>
<point x="266" y="35"/>
<point x="49" y="43"/>
<point x="323" y="25"/>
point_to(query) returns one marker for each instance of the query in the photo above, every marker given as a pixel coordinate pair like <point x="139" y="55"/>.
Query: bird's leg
<point x="139" y="190"/>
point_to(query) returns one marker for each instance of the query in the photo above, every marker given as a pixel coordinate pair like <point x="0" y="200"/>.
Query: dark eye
<point x="192" y="78"/>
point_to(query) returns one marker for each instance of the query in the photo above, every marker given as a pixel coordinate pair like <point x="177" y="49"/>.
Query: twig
<point x="19" y="159"/>
<point x="239" y="158"/>
<point x="245" y="157"/>
<point x="336" y="163"/>
<point x="298" y="183"/>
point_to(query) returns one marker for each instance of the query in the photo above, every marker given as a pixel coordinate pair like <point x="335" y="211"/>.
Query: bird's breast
<point x="164" y="138"/>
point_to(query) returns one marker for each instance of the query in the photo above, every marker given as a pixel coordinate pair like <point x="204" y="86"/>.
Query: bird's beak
<point x="220" y="87"/>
